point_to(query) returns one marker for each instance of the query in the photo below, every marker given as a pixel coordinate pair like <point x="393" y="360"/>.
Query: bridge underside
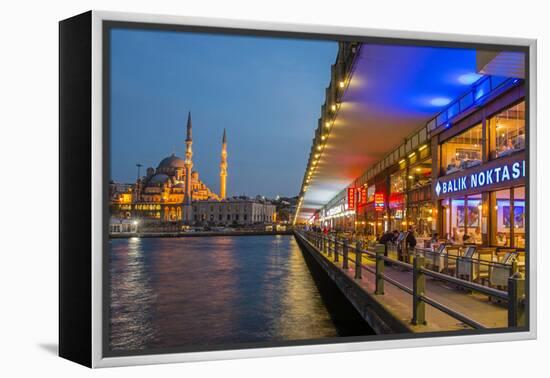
<point x="393" y="90"/>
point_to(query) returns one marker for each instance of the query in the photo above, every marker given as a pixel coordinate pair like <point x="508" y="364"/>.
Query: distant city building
<point x="233" y="211"/>
<point x="122" y="226"/>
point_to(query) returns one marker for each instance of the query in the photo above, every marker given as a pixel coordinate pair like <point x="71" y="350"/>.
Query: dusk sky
<point x="267" y="93"/>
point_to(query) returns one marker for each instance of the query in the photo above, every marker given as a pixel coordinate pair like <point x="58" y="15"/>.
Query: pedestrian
<point x="411" y="239"/>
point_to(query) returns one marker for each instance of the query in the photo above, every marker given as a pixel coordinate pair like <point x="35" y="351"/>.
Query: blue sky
<point x="267" y="93"/>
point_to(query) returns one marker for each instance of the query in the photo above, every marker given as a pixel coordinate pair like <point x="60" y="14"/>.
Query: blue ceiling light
<point x="469" y="78"/>
<point x="440" y="101"/>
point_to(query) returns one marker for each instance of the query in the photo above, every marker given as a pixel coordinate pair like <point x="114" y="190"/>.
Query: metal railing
<point x="334" y="248"/>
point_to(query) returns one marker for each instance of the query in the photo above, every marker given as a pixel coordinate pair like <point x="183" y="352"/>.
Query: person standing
<point x="411" y="239"/>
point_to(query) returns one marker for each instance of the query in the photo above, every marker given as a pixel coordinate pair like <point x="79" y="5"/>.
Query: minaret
<point x="223" y="166"/>
<point x="188" y="170"/>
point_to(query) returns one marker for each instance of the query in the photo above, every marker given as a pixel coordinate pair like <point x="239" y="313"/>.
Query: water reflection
<point x="131" y="297"/>
<point x="200" y="291"/>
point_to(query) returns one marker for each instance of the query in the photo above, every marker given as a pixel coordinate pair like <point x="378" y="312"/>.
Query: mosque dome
<point x="159" y="179"/>
<point x="172" y="161"/>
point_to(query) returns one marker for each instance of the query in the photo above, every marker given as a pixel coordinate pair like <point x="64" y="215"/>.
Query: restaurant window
<point x="462" y="220"/>
<point x="508" y="212"/>
<point x="507" y="130"/>
<point x="396" y="201"/>
<point x="462" y="151"/>
<point x="520" y="217"/>
<point x="423" y="218"/>
<point x="420" y="174"/>
<point x="397" y="182"/>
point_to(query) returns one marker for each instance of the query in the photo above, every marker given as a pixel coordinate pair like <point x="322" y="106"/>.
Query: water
<point x="214" y="291"/>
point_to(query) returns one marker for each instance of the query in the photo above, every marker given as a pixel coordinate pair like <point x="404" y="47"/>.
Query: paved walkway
<point x="475" y="306"/>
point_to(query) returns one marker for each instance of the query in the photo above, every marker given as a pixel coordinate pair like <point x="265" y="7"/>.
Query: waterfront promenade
<point x="394" y="308"/>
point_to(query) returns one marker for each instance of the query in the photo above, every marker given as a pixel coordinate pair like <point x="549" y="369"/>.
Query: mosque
<point x="167" y="192"/>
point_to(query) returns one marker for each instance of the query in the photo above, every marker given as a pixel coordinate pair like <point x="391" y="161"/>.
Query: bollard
<point x="335" y="250"/>
<point x="345" y="254"/>
<point x="380" y="251"/>
<point x="419" y="287"/>
<point x="516" y="300"/>
<point x="358" y="259"/>
<point x="330" y="241"/>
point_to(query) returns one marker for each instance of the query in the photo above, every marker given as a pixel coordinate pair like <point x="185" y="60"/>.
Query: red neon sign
<point x="351" y="198"/>
<point x="363" y="195"/>
<point x="379" y="201"/>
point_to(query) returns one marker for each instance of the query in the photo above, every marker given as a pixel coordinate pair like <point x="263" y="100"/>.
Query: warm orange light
<point x="342" y="84"/>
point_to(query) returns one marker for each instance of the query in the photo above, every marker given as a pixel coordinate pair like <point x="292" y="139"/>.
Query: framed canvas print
<point x="233" y="189"/>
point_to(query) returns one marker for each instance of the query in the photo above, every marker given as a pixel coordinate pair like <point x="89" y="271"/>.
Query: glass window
<point x="462" y="220"/>
<point x="519" y="217"/>
<point x="473" y="229"/>
<point x="462" y="151"/>
<point x="397" y="182"/>
<point x="500" y="234"/>
<point x="423" y="218"/>
<point x="420" y="174"/>
<point x="507" y="130"/>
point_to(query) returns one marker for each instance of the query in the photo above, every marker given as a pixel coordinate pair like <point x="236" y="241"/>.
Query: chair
<point x="451" y="257"/>
<point x="501" y="270"/>
<point x="438" y="258"/>
<point x="485" y="256"/>
<point x="467" y="268"/>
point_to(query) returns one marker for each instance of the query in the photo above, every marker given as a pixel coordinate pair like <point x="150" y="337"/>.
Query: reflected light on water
<point x="205" y="291"/>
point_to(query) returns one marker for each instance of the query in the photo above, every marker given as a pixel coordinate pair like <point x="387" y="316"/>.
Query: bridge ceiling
<point x="392" y="92"/>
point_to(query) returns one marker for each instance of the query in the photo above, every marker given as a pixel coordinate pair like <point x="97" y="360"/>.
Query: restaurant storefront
<point x="479" y="177"/>
<point x="463" y="181"/>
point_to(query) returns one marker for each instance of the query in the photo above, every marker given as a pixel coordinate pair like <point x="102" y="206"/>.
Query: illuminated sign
<point x="363" y="195"/>
<point x="351" y="198"/>
<point x="379" y="201"/>
<point x="396" y="200"/>
<point x="336" y="210"/>
<point x="479" y="179"/>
